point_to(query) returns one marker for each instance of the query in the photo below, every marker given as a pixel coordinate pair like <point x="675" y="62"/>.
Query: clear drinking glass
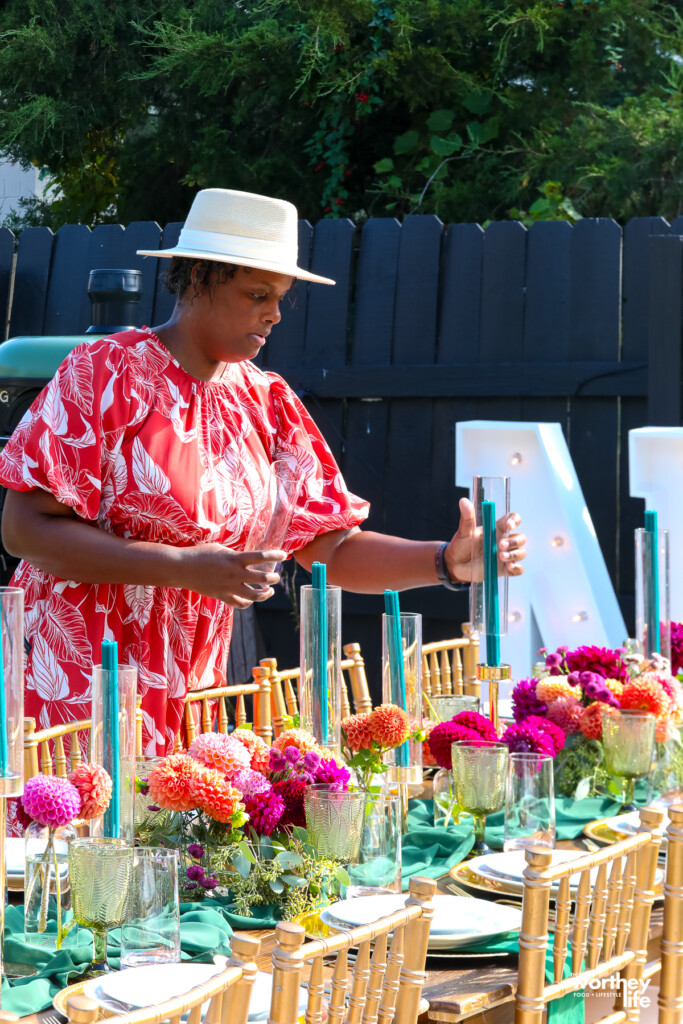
<point x="321" y="716"/>
<point x="479" y="776"/>
<point x="529" y="802"/>
<point x="448" y="705"/>
<point x="101" y="874"/>
<point x="628" y="741"/>
<point x="378" y="868"/>
<point x="47" y="893"/>
<point x="272" y="519"/>
<point x="334" y="821"/>
<point x="411" y="640"/>
<point x="446" y="807"/>
<point x="151" y="934"/>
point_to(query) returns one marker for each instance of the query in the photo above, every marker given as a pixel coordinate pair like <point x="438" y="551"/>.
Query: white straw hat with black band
<point x="241" y="228"/>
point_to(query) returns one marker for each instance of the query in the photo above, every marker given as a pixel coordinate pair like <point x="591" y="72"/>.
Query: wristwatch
<point x="442" y="571"/>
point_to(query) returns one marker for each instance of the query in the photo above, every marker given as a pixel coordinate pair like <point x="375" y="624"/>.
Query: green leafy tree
<point x="471" y="109"/>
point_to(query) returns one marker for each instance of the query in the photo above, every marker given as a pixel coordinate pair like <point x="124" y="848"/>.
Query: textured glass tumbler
<point x="449" y="705"/>
<point x="529" y="802"/>
<point x="334" y="821"/>
<point x="151" y="935"/>
<point x="628" y="741"/>
<point x="101" y="874"/>
<point x="479" y="776"/>
<point x="379" y="860"/>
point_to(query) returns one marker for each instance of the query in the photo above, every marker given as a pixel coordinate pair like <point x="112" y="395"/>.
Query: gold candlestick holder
<point x="493" y="675"/>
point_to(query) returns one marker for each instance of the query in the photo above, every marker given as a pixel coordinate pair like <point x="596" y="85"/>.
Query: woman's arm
<point x="368" y="563"/>
<point x="50" y="535"/>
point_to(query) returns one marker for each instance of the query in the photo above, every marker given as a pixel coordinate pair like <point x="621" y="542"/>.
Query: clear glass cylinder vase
<point x="406" y="761"/>
<point x="320" y="680"/>
<point x="114" y="748"/>
<point x="47" y="893"/>
<point x="446" y="808"/>
<point x="653" y="617"/>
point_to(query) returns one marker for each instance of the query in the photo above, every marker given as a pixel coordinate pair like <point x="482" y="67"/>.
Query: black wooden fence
<point x="429" y="325"/>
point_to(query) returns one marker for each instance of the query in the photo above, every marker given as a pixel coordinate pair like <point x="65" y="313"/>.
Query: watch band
<point x="442" y="571"/>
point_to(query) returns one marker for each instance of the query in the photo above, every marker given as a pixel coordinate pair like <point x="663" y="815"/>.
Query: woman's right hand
<point x="237" y="578"/>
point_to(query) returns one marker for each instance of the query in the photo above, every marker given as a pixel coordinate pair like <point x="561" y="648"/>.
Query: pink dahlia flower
<point x="51" y="801"/>
<point x="94" y="785"/>
<point x="225" y="754"/>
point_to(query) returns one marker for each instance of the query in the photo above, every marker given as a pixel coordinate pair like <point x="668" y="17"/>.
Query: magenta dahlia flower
<point x="525" y="702"/>
<point x="444" y="735"/>
<point x="527" y="738"/>
<point x="265" y="811"/>
<point x="600" y="660"/>
<point x="477" y="723"/>
<point x="551" y="729"/>
<point x="51" y="801"/>
<point x="676" y="647"/>
<point x="250" y="782"/>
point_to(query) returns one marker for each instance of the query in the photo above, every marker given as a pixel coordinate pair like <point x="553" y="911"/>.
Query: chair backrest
<point x="45" y="750"/>
<point x="609" y="931"/>
<point x="383" y="985"/>
<point x="449" y="666"/>
<point x="228" y="991"/>
<point x="202" y="705"/>
<point x="284" y="683"/>
<point x="670" y="999"/>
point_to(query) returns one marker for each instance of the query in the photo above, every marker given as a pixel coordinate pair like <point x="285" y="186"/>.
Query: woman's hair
<point x="208" y="273"/>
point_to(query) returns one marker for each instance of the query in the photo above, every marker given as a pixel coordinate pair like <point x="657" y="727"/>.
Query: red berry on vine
<point x="362" y="97"/>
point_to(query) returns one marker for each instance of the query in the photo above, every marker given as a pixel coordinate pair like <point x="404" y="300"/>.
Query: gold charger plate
<point x="463" y="875"/>
<point x="601" y="832"/>
<point x="59" y="1000"/>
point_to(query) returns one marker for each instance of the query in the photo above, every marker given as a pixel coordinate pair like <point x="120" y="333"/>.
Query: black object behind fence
<point x="427" y="326"/>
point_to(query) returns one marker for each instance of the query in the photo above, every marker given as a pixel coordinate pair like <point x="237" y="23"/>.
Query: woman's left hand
<point x="464" y="556"/>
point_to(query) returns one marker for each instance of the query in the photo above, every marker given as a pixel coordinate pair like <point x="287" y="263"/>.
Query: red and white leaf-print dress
<point x="135" y="445"/>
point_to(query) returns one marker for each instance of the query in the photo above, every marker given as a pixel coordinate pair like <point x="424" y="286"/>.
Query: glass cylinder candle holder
<point x="653" y="616"/>
<point x="405" y="761"/>
<point x="489" y="593"/>
<point x="102" y="749"/>
<point x="320" y="679"/>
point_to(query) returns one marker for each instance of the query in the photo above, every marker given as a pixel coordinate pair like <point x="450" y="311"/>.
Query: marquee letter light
<point x="565" y="595"/>
<point x="655" y="459"/>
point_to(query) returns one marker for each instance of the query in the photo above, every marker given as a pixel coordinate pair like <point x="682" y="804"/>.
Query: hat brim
<point x="240" y="261"/>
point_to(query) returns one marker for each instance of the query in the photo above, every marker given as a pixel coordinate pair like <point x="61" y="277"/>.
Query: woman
<point x="134" y="477"/>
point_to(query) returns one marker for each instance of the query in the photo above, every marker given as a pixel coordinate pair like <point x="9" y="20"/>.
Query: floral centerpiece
<point x="50" y="806"/>
<point x="368" y="736"/>
<point x="582" y="685"/>
<point x="235" y="807"/>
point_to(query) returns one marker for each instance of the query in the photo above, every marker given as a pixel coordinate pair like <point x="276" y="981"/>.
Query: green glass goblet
<point x="628" y="742"/>
<point x="100" y="873"/>
<point x="479" y="775"/>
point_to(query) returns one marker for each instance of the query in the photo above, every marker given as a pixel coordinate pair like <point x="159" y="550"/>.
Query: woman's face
<point x="231" y="320"/>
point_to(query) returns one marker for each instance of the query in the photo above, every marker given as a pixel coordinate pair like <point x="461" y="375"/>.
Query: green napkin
<point x="428" y="850"/>
<point x="205" y="930"/>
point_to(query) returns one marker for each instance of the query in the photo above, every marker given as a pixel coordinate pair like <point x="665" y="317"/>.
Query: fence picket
<point x="460" y="293"/>
<point x="31" y="275"/>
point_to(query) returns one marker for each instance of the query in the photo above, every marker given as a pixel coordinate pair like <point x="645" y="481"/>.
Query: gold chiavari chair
<point x="45" y="750"/>
<point x="450" y="666"/>
<point x="228" y="991"/>
<point x="200" y="706"/>
<point x="670" y="963"/>
<point x="382" y="986"/>
<point x="609" y="932"/>
<point x="284" y="702"/>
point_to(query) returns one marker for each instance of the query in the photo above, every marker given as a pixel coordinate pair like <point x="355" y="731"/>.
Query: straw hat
<point x="241" y="228"/>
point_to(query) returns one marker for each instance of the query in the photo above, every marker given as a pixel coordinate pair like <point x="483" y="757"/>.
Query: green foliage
<point x="466" y="108"/>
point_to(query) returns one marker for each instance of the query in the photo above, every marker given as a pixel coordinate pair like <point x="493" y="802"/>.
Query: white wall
<point x="15" y="183"/>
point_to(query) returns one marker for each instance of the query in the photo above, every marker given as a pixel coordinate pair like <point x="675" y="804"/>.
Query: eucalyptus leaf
<point x="242" y="865"/>
<point x="295" y="880"/>
<point x="300" y="833"/>
<point x="245" y="850"/>
<point x="266" y="847"/>
<point x="583" y="789"/>
<point x="289" y="859"/>
<point x="276" y="885"/>
<point x="342" y="876"/>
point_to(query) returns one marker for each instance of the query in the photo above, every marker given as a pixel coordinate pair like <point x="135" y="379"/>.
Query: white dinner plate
<point x="138" y="987"/>
<point x="508" y="867"/>
<point x="14" y="855"/>
<point x="458" y="920"/>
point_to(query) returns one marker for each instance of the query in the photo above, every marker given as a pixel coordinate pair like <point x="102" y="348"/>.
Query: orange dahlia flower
<point x="552" y="688"/>
<point x="225" y="754"/>
<point x="389" y="725"/>
<point x="94" y="785"/>
<point x="427" y="756"/>
<point x="300" y="738"/>
<point x="256" y="747"/>
<point x="169" y="782"/>
<point x="645" y="694"/>
<point x="357" y="729"/>
<point x="591" y="719"/>
<point x="213" y="794"/>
